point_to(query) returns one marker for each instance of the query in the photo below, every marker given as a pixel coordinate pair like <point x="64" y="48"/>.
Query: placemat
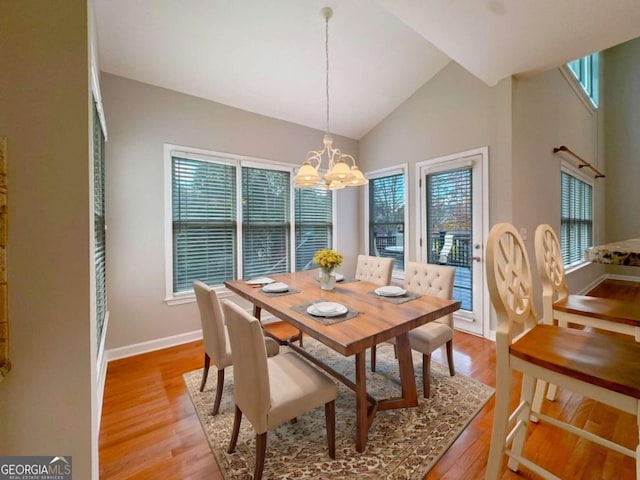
<point x="291" y="291"/>
<point x="405" y="297"/>
<point x="325" y="320"/>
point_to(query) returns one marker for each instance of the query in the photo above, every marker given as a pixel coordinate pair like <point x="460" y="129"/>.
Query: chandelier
<point x="339" y="173"/>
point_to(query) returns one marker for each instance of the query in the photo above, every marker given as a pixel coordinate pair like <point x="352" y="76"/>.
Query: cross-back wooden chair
<point x="602" y="367"/>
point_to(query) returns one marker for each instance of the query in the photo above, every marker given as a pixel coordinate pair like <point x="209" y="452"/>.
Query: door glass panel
<point x="449" y="227"/>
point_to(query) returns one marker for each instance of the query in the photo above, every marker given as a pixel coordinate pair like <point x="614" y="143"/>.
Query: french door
<point x="452" y="227"/>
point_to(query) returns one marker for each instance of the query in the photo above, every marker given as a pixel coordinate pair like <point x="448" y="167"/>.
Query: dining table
<point x="368" y="320"/>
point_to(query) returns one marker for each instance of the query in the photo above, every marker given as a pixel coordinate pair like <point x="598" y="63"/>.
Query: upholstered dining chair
<point x="435" y="280"/>
<point x="601" y="367"/>
<point x="374" y="269"/>
<point x="270" y="391"/>
<point x="216" y="338"/>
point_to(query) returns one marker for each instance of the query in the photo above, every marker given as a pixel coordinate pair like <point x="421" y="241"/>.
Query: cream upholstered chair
<point x="601" y="367"/>
<point x="216" y="338"/>
<point x="270" y="391"/>
<point x="374" y="269"/>
<point x="435" y="280"/>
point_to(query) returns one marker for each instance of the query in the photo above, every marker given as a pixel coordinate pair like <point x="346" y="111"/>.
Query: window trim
<point x="177" y="298"/>
<point x="401" y="168"/>
<point x="576" y="172"/>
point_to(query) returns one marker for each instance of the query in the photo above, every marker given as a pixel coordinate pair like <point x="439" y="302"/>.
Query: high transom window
<point x="585" y="70"/>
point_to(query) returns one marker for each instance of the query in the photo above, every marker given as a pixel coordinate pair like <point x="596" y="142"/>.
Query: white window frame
<point x="403" y="169"/>
<point x="576" y="172"/>
<point x="239" y="161"/>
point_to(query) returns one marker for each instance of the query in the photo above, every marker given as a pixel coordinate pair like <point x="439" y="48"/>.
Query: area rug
<point x="402" y="444"/>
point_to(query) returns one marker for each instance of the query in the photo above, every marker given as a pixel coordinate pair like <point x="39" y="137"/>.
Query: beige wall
<point x="520" y="120"/>
<point x="622" y="144"/>
<point x="46" y="399"/>
<point x="141" y="118"/>
<point x="548" y="113"/>
<point x="453" y="112"/>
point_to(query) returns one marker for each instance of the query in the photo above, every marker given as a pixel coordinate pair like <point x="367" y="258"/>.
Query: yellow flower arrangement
<point x="328" y="259"/>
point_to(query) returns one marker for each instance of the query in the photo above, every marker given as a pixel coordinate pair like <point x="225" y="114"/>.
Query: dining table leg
<point x="362" y="420"/>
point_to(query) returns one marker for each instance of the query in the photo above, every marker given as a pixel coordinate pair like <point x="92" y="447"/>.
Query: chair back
<point x="510" y="284"/>
<point x="377" y="270"/>
<point x="430" y="279"/>
<point x="214" y="332"/>
<point x="250" y="371"/>
<point x="550" y="269"/>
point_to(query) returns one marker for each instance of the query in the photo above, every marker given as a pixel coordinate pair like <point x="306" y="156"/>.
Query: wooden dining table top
<point x="378" y="320"/>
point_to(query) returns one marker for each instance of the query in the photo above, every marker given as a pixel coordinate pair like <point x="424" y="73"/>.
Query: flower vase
<point x="327" y="278"/>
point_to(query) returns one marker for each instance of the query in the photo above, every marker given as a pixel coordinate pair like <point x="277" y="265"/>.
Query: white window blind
<point x="576" y="229"/>
<point x="265" y="221"/>
<point x="204" y="222"/>
<point x="99" y="223"/>
<point x="314" y="225"/>
<point x="386" y="217"/>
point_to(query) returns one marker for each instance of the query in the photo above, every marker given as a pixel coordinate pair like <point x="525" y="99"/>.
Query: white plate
<point x="327" y="309"/>
<point x="260" y="281"/>
<point x="390" y="291"/>
<point x="275" y="287"/>
<point x="339" y="277"/>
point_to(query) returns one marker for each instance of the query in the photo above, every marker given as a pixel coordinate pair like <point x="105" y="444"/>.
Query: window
<point x="99" y="223"/>
<point x="314" y="226"/>
<point x="231" y="217"/>
<point x="576" y="225"/>
<point x="585" y="70"/>
<point x="387" y="216"/>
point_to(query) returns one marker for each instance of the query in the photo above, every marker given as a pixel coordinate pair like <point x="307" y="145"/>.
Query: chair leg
<point x="237" y="419"/>
<point x="526" y="397"/>
<point x="373" y="358"/>
<point x="426" y="375"/>
<point x="219" y="388"/>
<point x="500" y="423"/>
<point x="205" y="373"/>
<point x="330" y="415"/>
<point x="452" y="367"/>
<point x="261" y="449"/>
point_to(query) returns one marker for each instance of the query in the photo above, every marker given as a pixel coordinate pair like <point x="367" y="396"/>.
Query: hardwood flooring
<point x="150" y="429"/>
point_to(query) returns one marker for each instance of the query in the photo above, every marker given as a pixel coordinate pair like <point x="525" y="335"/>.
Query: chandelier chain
<point x="326" y="51"/>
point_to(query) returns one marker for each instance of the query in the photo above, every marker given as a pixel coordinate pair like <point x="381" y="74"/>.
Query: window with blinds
<point x="231" y="218"/>
<point x="265" y="221"/>
<point x="314" y="224"/>
<point x="576" y="225"/>
<point x="386" y="218"/>
<point x="204" y="222"/>
<point x="449" y="212"/>
<point x="99" y="223"/>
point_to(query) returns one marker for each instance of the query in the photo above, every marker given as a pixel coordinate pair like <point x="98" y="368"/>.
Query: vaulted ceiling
<point x="268" y="56"/>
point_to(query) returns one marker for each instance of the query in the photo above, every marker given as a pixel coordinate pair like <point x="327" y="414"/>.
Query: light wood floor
<point x="150" y="429"/>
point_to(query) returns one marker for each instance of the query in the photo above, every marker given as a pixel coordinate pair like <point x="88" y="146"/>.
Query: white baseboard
<point x="628" y="278"/>
<point x="152" y="345"/>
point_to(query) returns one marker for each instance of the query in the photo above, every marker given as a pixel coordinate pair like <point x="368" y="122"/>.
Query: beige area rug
<point x="402" y="444"/>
